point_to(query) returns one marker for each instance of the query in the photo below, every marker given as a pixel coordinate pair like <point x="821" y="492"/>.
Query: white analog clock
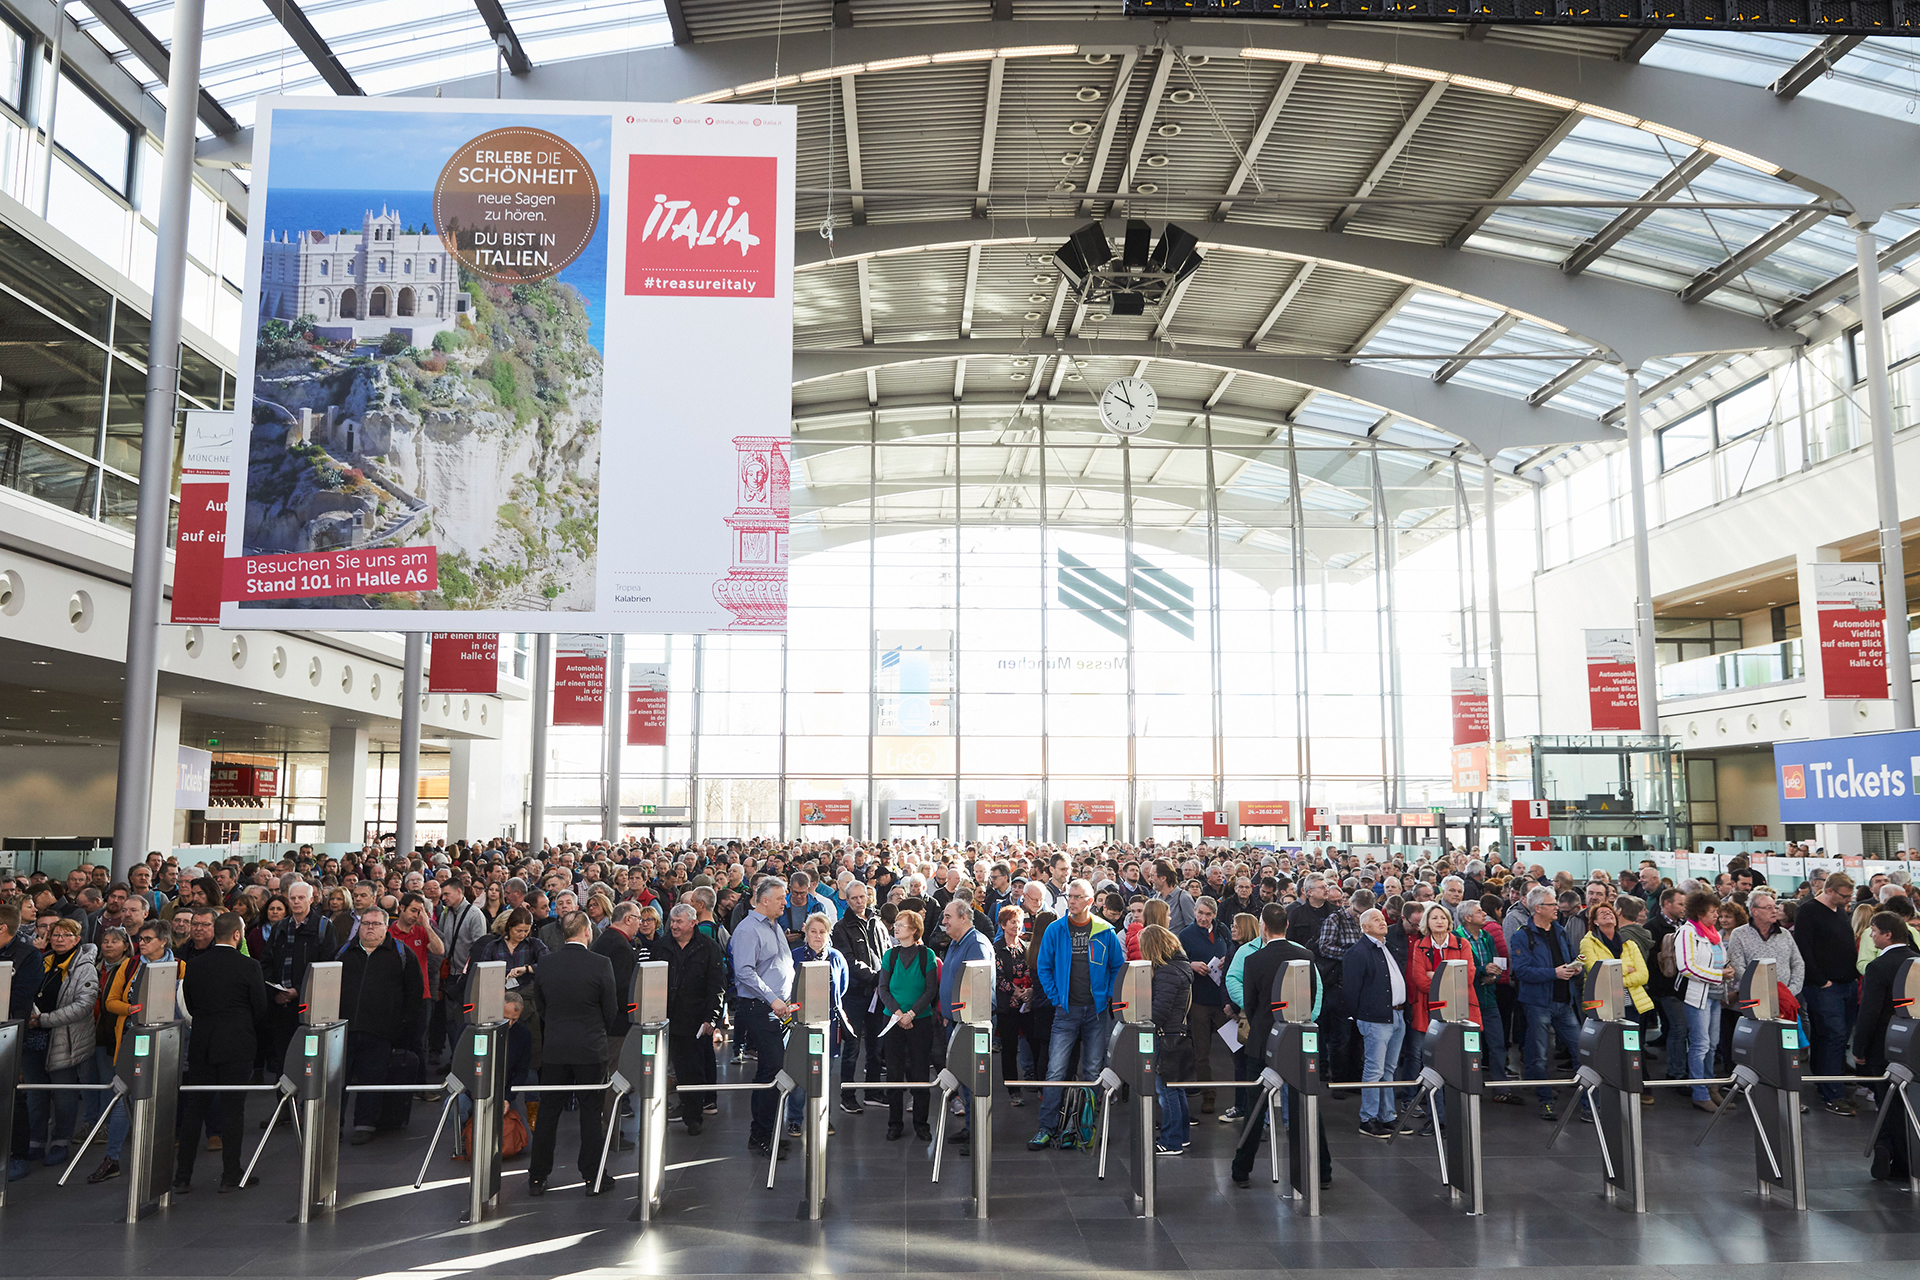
<point x="1127" y="406"/>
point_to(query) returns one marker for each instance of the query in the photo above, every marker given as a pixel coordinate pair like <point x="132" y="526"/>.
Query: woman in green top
<point x="909" y="980"/>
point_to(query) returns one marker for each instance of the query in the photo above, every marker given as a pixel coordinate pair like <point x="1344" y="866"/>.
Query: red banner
<point x="1318" y="818"/>
<point x="1530" y="818"/>
<point x="826" y="813"/>
<point x="580" y="681"/>
<point x="1213" y="824"/>
<point x="1266" y="813"/>
<point x="243" y="781"/>
<point x="1089" y="813"/>
<point x="1000" y="813"/>
<point x="1472" y="722"/>
<point x="1853" y="630"/>
<point x="1613" y="685"/>
<point x="464" y="662"/>
<point x="646" y="717"/>
<point x="199" y="552"/>
<point x="351" y="572"/>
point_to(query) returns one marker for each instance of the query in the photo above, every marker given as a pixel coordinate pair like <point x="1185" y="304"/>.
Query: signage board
<point x="1089" y="813"/>
<point x="1868" y="777"/>
<point x="464" y="662"/>
<point x="1472" y="720"/>
<point x="826" y="813"/>
<point x="1000" y="813"/>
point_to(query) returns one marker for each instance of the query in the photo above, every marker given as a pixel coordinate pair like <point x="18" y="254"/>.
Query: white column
<point x="346" y="785"/>
<point x="164" y="829"/>
<point x="1496" y="677"/>
<point x="473" y="789"/>
<point x="1642" y="565"/>
<point x="1886" y="494"/>
<point x="412" y="694"/>
<point x="1818" y="718"/>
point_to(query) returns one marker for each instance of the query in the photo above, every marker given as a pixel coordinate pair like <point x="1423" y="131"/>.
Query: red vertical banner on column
<point x="1613" y="685"/>
<point x="1853" y="630"/>
<point x="580" y="680"/>
<point x="464" y="662"/>
<point x="1471" y="720"/>
<point x="646" y="705"/>
<point x="199" y="548"/>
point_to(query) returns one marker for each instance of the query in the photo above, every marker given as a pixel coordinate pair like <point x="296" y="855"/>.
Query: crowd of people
<point x="896" y="923"/>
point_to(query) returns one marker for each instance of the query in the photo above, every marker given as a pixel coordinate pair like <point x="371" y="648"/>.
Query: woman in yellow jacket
<point x="1604" y="941"/>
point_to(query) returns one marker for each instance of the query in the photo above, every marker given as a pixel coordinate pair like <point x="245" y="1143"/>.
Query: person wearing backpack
<point x="909" y="981"/>
<point x="379" y="999"/>
<point x="1664" y="922"/>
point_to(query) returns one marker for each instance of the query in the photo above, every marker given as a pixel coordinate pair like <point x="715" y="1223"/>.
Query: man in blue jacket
<point x="1081" y="956"/>
<point x="1376" y="990"/>
<point x="1546" y="966"/>
<point x="964" y="943"/>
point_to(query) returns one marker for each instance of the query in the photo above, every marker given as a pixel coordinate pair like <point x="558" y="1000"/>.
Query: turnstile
<point x="641" y="1076"/>
<point x="970" y="1065"/>
<point x="148" y="1068"/>
<point x="808" y="1068"/>
<point x="1897" y="1104"/>
<point x="11" y="1030"/>
<point x="1766" y="1075"/>
<point x="1292" y="1057"/>
<point x="313" y="1083"/>
<point x="1609" y="1083"/>
<point x="1456" y="1072"/>
<point x="480" y="1072"/>
<point x="1133" y="1065"/>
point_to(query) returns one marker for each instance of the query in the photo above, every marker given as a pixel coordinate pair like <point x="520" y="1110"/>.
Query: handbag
<point x="513" y="1137"/>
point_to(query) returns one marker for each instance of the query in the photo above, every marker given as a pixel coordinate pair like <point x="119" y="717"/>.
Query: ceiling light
<point x="1351" y="64"/>
<point x="1043" y="279"/>
<point x="1045" y="51"/>
<point x="1080" y="128"/>
<point x="41" y="662"/>
<point x="1484" y="86"/>
<point x="965" y="55"/>
<point x="1767" y="167"/>
<point x="1097" y="316"/>
<point x="1065" y="184"/>
<point x="1545" y="99"/>
<point x="1279" y="55"/>
<point x="1074" y="377"/>
<point x="1417" y="73"/>
<point x="761" y="86"/>
<point x="1608" y="113"/>
<point x="1169" y="130"/>
<point x="1156" y="162"/>
<point x="832" y="73"/>
<point x="1016" y="377"/>
<point x="1147" y="188"/>
<point x="1182" y="96"/>
<point x="1087" y="93"/>
<point x="1073" y="159"/>
<point x="896" y="64"/>
<point x="1032" y="315"/>
<point x="1021" y="362"/>
<point x="1676" y="135"/>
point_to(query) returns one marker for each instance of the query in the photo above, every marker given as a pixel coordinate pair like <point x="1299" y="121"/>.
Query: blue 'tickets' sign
<point x="1872" y="777"/>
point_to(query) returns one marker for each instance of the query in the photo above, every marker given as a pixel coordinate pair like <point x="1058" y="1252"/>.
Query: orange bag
<point x="513" y="1138"/>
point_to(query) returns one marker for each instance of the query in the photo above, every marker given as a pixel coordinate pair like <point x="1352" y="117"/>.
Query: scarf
<point x="1612" y="944"/>
<point x="1707" y="931"/>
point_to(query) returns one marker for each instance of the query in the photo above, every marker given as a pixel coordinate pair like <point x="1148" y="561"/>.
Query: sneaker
<point x="924" y="1132"/>
<point x="1376" y="1129"/>
<point x="1426" y="1128"/>
<point x="1013" y="1100"/>
<point x="1162" y="1149"/>
<point x="1038" y="1142"/>
<point x="1839" y="1107"/>
<point x="852" y="1107"/>
<point x="1510" y="1098"/>
<point x="361" y="1137"/>
<point x="56" y="1155"/>
<point x="793" y="1131"/>
<point x="711" y="1109"/>
<point x="1547" y="1112"/>
<point x="895" y="1132"/>
<point x="1231" y="1114"/>
<point x="108" y="1169"/>
<point x="16" y="1168"/>
<point x="1409" y="1121"/>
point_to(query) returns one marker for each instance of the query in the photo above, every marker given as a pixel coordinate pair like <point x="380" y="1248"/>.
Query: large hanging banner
<point x="1853" y="630"/>
<point x="646" y="704"/>
<point x="199" y="546"/>
<point x="471" y="316"/>
<point x="1472" y="721"/>
<point x="1613" y="686"/>
<point x="580" y="680"/>
<point x="464" y="662"/>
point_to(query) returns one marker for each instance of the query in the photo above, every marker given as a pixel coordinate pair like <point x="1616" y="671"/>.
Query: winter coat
<point x="70" y="1024"/>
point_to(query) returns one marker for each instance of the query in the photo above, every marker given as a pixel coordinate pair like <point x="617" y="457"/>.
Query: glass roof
<point x="387" y="46"/>
<point x="1881" y="75"/>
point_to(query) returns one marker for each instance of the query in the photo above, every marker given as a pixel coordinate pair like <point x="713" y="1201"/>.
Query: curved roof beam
<point x="1863" y="158"/>
<point x="1487" y="420"/>
<point x="1634" y="322"/>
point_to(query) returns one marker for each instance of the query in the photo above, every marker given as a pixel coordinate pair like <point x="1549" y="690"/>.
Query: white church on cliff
<point x="380" y="281"/>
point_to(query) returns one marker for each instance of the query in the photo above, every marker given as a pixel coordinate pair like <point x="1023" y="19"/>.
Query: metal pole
<point x="406" y="840"/>
<point x="542" y="714"/>
<point x="134" y="785"/>
<point x="53" y="110"/>
<point x="616" y="725"/>
<point x="1886" y="494"/>
<point x="1649" y="693"/>
<point x="1496" y="681"/>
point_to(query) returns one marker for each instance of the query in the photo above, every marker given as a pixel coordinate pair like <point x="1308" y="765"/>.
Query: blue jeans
<point x="1493" y="1036"/>
<point x="1173" y="1113"/>
<point x="1542" y="1018"/>
<point x="1087" y="1026"/>
<point x="1826" y="1009"/>
<point x="1701" y="1025"/>
<point x="1380" y="1047"/>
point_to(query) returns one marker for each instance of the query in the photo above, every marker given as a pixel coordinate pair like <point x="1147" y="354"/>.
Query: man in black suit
<point x="1259" y="981"/>
<point x="578" y="1004"/>
<point x="379" y="999"/>
<point x="616" y="944"/>
<point x="696" y="976"/>
<point x="228" y="997"/>
<point x="1877" y="991"/>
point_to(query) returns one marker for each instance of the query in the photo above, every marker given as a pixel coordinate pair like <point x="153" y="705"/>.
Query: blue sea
<point x="329" y="210"/>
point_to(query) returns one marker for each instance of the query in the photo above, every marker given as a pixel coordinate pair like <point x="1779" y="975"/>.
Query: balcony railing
<point x="1740" y="669"/>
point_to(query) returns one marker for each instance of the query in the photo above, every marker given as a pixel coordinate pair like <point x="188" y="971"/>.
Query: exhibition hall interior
<point x="1055" y="637"/>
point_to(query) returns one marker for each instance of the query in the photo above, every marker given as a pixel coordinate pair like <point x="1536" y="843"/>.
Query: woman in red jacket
<point x="1439" y="942"/>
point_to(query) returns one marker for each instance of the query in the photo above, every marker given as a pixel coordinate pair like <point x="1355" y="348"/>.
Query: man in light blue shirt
<point x="762" y="977"/>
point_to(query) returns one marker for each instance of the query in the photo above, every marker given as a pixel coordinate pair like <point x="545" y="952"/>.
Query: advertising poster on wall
<point x="1089" y="813"/>
<point x="1265" y="813"/>
<point x="646" y="704"/>
<point x="1472" y="720"/>
<point x="471" y="318"/>
<point x="1000" y="813"/>
<point x="1178" y="813"/>
<point x="1613" y="687"/>
<point x="826" y="813"/>
<point x="1853" y="630"/>
<point x="464" y="662"/>
<point x="914" y="812"/>
<point x="580" y="680"/>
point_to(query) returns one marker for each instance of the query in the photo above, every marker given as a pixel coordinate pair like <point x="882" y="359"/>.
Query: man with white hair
<point x="1545" y="967"/>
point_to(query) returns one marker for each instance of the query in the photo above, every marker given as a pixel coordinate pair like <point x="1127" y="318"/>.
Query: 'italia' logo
<point x="701" y="226"/>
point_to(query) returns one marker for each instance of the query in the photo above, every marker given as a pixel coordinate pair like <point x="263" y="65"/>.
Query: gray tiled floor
<point x="1385" y="1213"/>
